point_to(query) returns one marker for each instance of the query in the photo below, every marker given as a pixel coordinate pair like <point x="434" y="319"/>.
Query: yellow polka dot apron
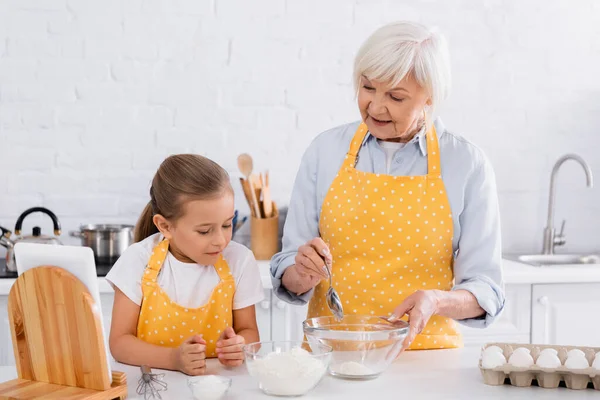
<point x="389" y="237"/>
<point x="166" y="323"/>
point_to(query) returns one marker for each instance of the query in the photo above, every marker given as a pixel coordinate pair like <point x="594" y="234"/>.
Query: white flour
<point x="209" y="387"/>
<point x="351" y="368"/>
<point x="289" y="373"/>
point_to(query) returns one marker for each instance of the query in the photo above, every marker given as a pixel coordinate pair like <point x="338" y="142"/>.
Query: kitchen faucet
<point x="552" y="239"/>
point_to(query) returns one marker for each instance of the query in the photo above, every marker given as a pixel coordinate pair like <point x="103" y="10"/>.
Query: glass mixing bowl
<point x="363" y="346"/>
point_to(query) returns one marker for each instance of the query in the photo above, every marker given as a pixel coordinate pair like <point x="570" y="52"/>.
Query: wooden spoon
<point x="245" y="166"/>
<point x="267" y="202"/>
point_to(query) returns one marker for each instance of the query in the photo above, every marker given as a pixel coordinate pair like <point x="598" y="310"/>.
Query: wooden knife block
<point x="57" y="340"/>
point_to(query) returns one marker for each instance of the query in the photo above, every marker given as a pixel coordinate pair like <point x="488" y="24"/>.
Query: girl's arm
<point x="126" y="347"/>
<point x="230" y="345"/>
<point x="244" y="324"/>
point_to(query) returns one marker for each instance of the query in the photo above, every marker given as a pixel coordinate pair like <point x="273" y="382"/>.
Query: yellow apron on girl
<point x="389" y="237"/>
<point x="166" y="323"/>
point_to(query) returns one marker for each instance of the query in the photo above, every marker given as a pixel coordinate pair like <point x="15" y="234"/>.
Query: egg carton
<point x="547" y="378"/>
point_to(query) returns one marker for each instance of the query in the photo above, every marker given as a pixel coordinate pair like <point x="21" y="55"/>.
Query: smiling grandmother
<point x="403" y="211"/>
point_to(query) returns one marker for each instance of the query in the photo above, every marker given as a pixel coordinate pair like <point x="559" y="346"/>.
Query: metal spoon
<point x="333" y="299"/>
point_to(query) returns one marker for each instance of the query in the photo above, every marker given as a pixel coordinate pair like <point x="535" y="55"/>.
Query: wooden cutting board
<point x="57" y="339"/>
<point x="24" y="389"/>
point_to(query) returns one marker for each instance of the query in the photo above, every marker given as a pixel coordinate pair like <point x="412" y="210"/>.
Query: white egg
<point x="548" y="360"/>
<point x="596" y="363"/>
<point x="521" y="359"/>
<point x="577" y="362"/>
<point x="523" y="350"/>
<point x="492" y="359"/>
<point x="575" y="352"/>
<point x="492" y="349"/>
<point x="549" y="351"/>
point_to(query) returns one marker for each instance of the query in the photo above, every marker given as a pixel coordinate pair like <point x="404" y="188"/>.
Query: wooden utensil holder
<point x="57" y="340"/>
<point x="264" y="235"/>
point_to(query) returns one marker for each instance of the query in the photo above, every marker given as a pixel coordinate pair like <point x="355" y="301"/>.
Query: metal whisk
<point x="150" y="384"/>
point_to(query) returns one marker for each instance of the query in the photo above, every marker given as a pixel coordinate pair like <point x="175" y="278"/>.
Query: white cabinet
<point x="106" y="303"/>
<point x="263" y="317"/>
<point x="7" y="355"/>
<point x="513" y="325"/>
<point x="287" y="321"/>
<point x="566" y="314"/>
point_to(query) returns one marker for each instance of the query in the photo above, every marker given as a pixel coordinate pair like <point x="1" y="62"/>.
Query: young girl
<point x="184" y="291"/>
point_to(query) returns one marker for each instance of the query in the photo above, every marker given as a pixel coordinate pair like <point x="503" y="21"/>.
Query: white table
<point x="438" y="374"/>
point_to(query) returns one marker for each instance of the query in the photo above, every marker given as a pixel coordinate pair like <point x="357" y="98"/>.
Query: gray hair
<point x="401" y="48"/>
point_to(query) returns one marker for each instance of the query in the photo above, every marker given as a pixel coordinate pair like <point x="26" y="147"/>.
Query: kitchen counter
<point x="516" y="272"/>
<point x="437" y="374"/>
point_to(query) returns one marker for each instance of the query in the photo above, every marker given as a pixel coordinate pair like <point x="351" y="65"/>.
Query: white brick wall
<point x="94" y="94"/>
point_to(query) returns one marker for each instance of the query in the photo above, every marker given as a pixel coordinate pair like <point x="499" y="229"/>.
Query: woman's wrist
<point x="292" y="281"/>
<point x="457" y="304"/>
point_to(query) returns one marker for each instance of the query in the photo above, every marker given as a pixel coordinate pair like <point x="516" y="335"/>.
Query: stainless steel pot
<point x="107" y="242"/>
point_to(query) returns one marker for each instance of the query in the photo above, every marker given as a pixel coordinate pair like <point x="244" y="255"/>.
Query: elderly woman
<point x="403" y="211"/>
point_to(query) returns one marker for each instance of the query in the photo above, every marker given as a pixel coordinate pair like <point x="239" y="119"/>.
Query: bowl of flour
<point x="287" y="368"/>
<point x="208" y="387"/>
<point x="363" y="346"/>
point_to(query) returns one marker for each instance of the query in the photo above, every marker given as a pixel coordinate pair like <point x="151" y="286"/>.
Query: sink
<point x="540" y="260"/>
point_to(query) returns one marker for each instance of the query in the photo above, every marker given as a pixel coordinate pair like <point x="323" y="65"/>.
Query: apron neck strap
<point x="433" y="150"/>
<point x="157" y="259"/>
<point x="222" y="269"/>
<point x="159" y="255"/>
<point x="433" y="154"/>
<point x="357" y="141"/>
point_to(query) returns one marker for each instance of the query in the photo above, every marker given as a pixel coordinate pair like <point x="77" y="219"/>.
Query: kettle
<point x="35" y="237"/>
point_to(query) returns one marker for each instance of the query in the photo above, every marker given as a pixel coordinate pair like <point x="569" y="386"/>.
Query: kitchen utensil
<point x="333" y="299"/>
<point x="48" y="364"/>
<point x="266" y="195"/>
<point x="150" y="385"/>
<point x="107" y="242"/>
<point x="264" y="236"/>
<point x="363" y="346"/>
<point x="208" y="387"/>
<point x="287" y="368"/>
<point x="245" y="165"/>
<point x="35" y="237"/>
<point x="258" y="193"/>
<point x="77" y="260"/>
<point x="256" y="180"/>
<point x="237" y="222"/>
<point x="246" y="188"/>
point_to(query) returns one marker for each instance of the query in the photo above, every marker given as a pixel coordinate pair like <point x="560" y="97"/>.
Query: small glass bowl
<point x="287" y="369"/>
<point x="208" y="387"/>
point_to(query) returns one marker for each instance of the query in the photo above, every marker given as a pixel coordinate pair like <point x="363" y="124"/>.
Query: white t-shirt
<point x="390" y="148"/>
<point x="189" y="285"/>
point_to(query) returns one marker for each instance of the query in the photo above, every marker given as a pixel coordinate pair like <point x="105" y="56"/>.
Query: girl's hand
<point x="230" y="348"/>
<point x="190" y="357"/>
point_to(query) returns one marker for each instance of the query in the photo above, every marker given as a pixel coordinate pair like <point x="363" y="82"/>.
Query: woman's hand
<point x="311" y="266"/>
<point x="420" y="307"/>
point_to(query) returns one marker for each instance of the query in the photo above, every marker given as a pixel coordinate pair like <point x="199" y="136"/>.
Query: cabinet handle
<point x="543" y="300"/>
<point x="281" y="305"/>
<point x="265" y="305"/>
